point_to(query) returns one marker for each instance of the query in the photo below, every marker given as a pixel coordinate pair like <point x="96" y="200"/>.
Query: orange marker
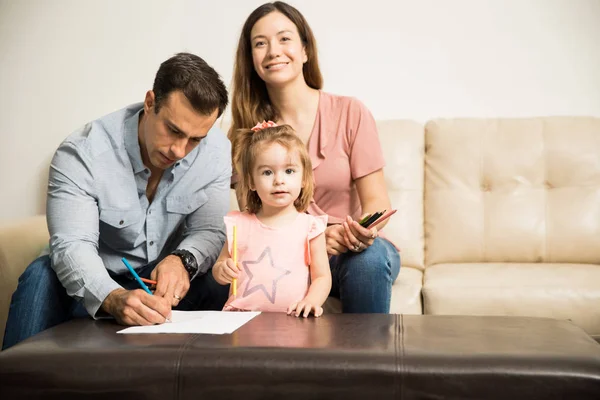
<point x="150" y="281"/>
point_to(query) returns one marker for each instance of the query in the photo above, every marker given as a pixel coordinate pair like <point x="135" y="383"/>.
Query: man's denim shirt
<point x="98" y="212"/>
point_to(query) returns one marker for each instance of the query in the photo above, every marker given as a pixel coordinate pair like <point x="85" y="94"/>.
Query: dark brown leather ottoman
<point x="338" y="356"/>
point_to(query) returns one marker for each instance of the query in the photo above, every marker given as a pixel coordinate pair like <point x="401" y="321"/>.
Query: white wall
<point x="65" y="62"/>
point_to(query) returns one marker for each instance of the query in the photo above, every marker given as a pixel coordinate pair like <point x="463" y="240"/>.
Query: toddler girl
<point x="282" y="261"/>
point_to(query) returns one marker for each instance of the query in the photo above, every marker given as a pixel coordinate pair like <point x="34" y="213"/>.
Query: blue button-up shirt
<point x="98" y="212"/>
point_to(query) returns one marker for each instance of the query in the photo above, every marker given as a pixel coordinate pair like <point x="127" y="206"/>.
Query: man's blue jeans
<point x="363" y="281"/>
<point x="41" y="302"/>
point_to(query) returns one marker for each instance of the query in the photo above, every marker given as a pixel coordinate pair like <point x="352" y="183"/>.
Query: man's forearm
<point x="82" y="273"/>
<point x="204" y="235"/>
<point x="205" y="246"/>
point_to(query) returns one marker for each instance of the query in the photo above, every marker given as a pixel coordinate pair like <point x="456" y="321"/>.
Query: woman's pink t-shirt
<point x="343" y="146"/>
<point x="274" y="262"/>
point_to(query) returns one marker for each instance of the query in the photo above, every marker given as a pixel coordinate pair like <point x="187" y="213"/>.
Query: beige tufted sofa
<point x="495" y="217"/>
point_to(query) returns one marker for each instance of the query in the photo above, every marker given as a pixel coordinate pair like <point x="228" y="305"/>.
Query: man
<point x="149" y="183"/>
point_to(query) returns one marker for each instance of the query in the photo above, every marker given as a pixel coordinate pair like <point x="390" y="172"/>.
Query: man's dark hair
<point x="198" y="81"/>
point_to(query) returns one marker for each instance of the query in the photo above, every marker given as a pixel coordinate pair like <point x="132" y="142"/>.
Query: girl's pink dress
<point x="274" y="262"/>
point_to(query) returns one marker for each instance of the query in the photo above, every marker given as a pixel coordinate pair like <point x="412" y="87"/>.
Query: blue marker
<point x="136" y="276"/>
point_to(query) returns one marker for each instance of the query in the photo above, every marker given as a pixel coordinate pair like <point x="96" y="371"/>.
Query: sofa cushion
<point x="406" y="294"/>
<point x="513" y="190"/>
<point x="560" y="291"/>
<point x="21" y="242"/>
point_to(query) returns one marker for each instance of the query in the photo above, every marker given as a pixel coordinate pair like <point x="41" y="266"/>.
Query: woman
<point x="277" y="77"/>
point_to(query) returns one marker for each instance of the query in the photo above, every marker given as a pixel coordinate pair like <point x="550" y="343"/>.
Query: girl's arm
<point x="224" y="270"/>
<point x="320" y="276"/>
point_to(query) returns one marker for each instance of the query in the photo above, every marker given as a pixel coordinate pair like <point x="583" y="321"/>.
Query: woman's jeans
<point x="41" y="302"/>
<point x="363" y="281"/>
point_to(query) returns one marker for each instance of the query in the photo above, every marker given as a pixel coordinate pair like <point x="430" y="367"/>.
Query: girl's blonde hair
<point x="245" y="148"/>
<point x="249" y="100"/>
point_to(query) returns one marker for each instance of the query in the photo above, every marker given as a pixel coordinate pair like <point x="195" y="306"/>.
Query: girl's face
<point x="277" y="177"/>
<point x="278" y="53"/>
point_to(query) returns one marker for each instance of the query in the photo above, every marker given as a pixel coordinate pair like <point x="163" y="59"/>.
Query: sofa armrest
<point x="21" y="241"/>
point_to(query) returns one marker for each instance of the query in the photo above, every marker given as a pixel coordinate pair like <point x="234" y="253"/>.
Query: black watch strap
<point x="189" y="261"/>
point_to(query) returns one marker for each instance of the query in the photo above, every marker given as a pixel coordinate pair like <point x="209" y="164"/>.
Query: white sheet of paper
<point x="209" y="322"/>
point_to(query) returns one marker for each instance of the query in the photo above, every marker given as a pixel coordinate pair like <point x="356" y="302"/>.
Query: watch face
<point x="188" y="260"/>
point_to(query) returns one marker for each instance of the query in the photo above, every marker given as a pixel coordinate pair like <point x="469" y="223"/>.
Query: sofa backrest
<point x="403" y="147"/>
<point x="512" y="190"/>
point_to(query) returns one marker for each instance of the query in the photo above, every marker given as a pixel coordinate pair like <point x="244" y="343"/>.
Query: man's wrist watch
<point x="189" y="261"/>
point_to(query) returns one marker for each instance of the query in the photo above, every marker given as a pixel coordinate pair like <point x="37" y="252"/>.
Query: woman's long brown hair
<point x="250" y="100"/>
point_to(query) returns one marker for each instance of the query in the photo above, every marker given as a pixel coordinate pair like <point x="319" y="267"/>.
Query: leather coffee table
<point x="337" y="356"/>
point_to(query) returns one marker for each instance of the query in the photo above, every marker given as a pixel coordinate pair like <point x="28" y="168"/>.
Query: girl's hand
<point x="334" y="240"/>
<point x="225" y="271"/>
<point x="357" y="237"/>
<point x="305" y="306"/>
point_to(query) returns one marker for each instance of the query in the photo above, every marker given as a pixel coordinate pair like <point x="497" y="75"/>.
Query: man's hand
<point x="225" y="271"/>
<point x="334" y="240"/>
<point x="136" y="307"/>
<point x="172" y="280"/>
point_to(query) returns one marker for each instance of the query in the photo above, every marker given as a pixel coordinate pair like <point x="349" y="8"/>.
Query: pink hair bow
<point x="263" y="125"/>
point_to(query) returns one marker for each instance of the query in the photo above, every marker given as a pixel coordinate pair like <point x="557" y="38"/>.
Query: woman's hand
<point x="225" y="271"/>
<point x="334" y="240"/>
<point x="357" y="237"/>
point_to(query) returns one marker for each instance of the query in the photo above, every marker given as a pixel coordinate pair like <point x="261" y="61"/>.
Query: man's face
<point x="174" y="132"/>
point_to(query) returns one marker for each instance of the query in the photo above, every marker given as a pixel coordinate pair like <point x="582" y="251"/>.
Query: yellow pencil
<point x="234" y="283"/>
